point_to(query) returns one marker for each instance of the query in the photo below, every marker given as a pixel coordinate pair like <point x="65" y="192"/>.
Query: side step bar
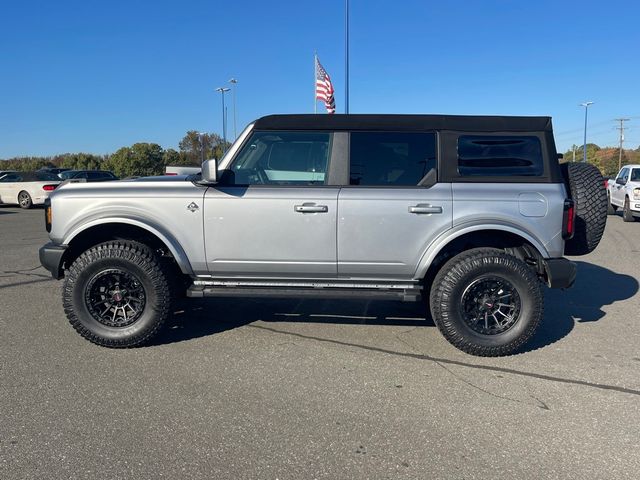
<point x="407" y="292"/>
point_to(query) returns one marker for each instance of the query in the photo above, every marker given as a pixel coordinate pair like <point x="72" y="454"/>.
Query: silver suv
<point x="470" y="214"/>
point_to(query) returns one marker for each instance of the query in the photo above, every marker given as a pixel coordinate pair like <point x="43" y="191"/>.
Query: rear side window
<point x="635" y="175"/>
<point x="391" y="158"/>
<point x="499" y="156"/>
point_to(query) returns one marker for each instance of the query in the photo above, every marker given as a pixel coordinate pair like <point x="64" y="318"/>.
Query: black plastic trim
<point x="561" y="273"/>
<point x="51" y="258"/>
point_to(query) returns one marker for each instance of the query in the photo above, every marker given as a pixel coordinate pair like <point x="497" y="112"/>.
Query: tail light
<point x="49" y="188"/>
<point x="568" y="219"/>
<point x="171" y="173"/>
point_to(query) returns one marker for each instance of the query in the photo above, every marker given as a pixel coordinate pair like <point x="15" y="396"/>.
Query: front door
<point x="392" y="209"/>
<point x="273" y="214"/>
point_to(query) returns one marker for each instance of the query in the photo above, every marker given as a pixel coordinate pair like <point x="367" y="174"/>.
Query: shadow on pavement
<point x="595" y="287"/>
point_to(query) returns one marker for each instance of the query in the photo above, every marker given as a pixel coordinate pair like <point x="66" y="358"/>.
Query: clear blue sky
<point x="95" y="76"/>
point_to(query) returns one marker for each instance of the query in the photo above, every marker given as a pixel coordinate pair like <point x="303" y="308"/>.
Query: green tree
<point x="140" y="159"/>
<point x="197" y="147"/>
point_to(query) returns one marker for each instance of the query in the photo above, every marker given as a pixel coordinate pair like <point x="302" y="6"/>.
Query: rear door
<point x="391" y="210"/>
<point x="273" y="213"/>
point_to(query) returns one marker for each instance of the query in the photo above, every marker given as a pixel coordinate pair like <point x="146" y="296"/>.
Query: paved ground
<point x="316" y="389"/>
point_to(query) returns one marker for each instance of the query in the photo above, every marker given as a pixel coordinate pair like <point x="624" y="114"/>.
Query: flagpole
<point x="346" y="56"/>
<point x="315" y="100"/>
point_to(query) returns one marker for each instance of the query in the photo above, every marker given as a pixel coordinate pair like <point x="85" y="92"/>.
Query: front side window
<point x="624" y="174"/>
<point x="390" y="158"/>
<point x="499" y="156"/>
<point x="281" y="158"/>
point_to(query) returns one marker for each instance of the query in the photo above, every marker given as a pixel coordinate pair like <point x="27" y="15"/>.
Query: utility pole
<point x="574" y="153"/>
<point x="621" y="128"/>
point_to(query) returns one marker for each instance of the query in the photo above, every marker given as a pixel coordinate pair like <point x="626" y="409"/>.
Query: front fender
<point x="172" y="244"/>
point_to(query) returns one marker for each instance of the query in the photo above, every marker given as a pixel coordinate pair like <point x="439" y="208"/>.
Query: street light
<point x="201" y="136"/>
<point x="233" y="83"/>
<point x="222" y="90"/>
<point x="584" y="147"/>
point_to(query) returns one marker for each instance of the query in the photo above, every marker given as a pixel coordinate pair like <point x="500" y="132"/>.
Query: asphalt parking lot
<point x="289" y="389"/>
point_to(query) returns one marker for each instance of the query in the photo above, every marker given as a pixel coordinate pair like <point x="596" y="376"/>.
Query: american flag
<point x="324" y="88"/>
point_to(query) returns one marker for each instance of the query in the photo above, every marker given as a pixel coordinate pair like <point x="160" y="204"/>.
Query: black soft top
<point x="470" y="123"/>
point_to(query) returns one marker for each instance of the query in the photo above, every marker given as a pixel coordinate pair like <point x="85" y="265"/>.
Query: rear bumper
<point x="560" y="272"/>
<point x="51" y="258"/>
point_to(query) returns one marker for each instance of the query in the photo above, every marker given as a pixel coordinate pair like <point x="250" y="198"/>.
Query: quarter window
<point x="282" y="158"/>
<point x="498" y="156"/>
<point x="390" y="158"/>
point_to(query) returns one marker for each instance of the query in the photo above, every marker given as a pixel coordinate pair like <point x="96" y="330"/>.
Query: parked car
<point x="470" y="214"/>
<point x="624" y="192"/>
<point x="4" y="172"/>
<point x="88" y="175"/>
<point x="27" y="188"/>
<point x="54" y="170"/>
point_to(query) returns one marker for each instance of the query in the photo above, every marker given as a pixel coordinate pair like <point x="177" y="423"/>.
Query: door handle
<point x="425" y="208"/>
<point x="310" y="208"/>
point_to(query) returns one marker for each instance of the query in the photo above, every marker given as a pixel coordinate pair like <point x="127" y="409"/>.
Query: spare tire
<point x="586" y="186"/>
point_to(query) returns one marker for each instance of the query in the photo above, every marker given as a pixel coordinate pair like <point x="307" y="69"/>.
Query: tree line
<point x="607" y="159"/>
<point x="139" y="159"/>
<point x="144" y="159"/>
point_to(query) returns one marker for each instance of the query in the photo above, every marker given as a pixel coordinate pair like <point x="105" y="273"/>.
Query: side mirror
<point x="560" y="156"/>
<point x="210" y="171"/>
<point x="621" y="181"/>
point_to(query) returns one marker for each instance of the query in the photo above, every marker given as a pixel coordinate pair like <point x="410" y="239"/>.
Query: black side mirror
<point x="621" y="181"/>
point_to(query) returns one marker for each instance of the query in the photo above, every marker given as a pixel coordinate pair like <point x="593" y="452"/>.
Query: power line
<point x="621" y="128"/>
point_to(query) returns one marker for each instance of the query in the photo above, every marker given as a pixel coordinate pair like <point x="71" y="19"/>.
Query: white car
<point x="624" y="192"/>
<point x="27" y="188"/>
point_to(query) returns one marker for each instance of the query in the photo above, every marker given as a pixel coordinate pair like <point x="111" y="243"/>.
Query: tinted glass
<point x="389" y="158"/>
<point x="497" y="156"/>
<point x="282" y="158"/>
<point x="635" y="175"/>
<point x="11" y="177"/>
<point x="45" y="177"/>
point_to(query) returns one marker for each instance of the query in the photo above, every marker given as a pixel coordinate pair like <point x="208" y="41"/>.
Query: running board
<point x="408" y="292"/>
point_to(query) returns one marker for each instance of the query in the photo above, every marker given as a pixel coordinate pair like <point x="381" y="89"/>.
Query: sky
<point x="84" y="76"/>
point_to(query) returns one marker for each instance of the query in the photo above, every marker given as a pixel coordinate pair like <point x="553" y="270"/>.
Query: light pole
<point x="222" y="90"/>
<point x="201" y="136"/>
<point x="346" y="56"/>
<point x="584" y="147"/>
<point x="234" y="86"/>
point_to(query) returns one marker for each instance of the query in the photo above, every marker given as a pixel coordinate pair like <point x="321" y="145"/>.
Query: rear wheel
<point x="486" y="303"/>
<point x="627" y="216"/>
<point x="24" y="200"/>
<point x="117" y="294"/>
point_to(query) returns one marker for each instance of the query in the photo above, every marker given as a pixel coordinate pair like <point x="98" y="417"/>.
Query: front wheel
<point x="117" y="294"/>
<point x="486" y="303"/>
<point x="627" y="216"/>
<point x="611" y="208"/>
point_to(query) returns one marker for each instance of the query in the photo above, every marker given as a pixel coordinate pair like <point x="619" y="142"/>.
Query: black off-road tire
<point x="464" y="270"/>
<point x="133" y="259"/>
<point x="24" y="200"/>
<point x="611" y="208"/>
<point x="627" y="216"/>
<point x="586" y="186"/>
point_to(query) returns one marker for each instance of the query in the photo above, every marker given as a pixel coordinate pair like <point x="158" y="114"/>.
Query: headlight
<point x="636" y="193"/>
